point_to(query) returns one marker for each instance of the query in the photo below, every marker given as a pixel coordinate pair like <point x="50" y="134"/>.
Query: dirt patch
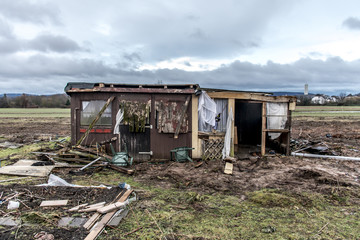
<point x="287" y="173"/>
<point x="24" y="130"/>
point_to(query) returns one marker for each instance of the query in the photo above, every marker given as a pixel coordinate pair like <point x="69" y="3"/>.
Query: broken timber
<point x="181" y="117"/>
<point x="95" y="120"/>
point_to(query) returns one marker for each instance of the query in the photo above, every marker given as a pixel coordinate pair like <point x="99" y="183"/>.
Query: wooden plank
<point x="289" y="133"/>
<point x="98" y="228"/>
<point x="111" y="207"/>
<point x="263" y="128"/>
<point x="181" y="117"/>
<point x="251" y="96"/>
<point x="92" y="124"/>
<point x="228" y="168"/>
<point x="92" y="208"/>
<point x="54" y="203"/>
<point x="92" y="221"/>
<point x="74" y="209"/>
<point x="34" y="171"/>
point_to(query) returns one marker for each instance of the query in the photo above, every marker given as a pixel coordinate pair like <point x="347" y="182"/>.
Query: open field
<point x="34" y="112"/>
<point x="327" y="111"/>
<point x="274" y="197"/>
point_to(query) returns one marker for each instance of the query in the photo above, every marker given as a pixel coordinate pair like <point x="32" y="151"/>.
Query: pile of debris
<point x="37" y="201"/>
<point x="69" y="157"/>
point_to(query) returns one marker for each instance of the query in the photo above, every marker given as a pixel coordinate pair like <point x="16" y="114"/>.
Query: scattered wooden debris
<point x="54" y="203"/>
<point x="100" y="225"/>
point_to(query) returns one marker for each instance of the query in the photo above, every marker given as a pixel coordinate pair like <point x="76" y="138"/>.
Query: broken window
<point x="89" y="111"/>
<point x="136" y="114"/>
<point x="167" y="116"/>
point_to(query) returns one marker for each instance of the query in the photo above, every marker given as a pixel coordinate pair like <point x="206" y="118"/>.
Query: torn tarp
<point x="277" y="117"/>
<point x="207" y="111"/>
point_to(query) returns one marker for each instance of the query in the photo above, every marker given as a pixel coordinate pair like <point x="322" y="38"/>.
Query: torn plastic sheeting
<point x="277" y="119"/>
<point x="119" y="118"/>
<point x="207" y="111"/>
<point x="57" y="181"/>
<point x="227" y="142"/>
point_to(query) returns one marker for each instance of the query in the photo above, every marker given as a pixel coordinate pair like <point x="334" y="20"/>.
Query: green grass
<point x="34" y="112"/>
<point x="185" y="214"/>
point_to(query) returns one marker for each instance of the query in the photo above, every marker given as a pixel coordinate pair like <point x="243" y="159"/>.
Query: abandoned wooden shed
<point x="152" y="120"/>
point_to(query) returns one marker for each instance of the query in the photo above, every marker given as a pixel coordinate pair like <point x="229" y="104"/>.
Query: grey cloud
<point x="331" y="76"/>
<point x="352" y="23"/>
<point x="207" y="29"/>
<point x="43" y="43"/>
<point x="52" y="43"/>
<point x="30" y="11"/>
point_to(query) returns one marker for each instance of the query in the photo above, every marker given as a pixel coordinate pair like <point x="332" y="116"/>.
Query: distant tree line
<point x="35" y="101"/>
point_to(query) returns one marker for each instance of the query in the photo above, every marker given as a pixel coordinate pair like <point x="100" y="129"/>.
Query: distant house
<point x="151" y="120"/>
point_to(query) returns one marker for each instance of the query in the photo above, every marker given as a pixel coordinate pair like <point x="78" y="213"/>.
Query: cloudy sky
<point x="257" y="45"/>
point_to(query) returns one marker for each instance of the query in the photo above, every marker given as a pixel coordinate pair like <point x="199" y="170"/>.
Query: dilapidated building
<point x="151" y="120"/>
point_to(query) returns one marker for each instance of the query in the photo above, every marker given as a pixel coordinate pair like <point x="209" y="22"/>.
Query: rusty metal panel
<point x="162" y="143"/>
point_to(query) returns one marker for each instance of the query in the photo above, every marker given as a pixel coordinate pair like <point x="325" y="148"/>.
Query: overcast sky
<point x="257" y="45"/>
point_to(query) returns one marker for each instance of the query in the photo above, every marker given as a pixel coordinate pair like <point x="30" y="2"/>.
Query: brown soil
<point x="26" y="130"/>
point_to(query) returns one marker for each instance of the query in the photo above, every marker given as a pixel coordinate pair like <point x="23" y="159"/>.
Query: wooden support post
<point x="95" y="120"/>
<point x="289" y="133"/>
<point x="182" y="116"/>
<point x="263" y="129"/>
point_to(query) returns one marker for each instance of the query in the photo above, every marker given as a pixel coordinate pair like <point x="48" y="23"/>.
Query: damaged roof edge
<point x="118" y="87"/>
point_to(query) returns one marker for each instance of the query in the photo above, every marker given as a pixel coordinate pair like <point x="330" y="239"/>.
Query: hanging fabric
<point x="227" y="142"/>
<point x="207" y="112"/>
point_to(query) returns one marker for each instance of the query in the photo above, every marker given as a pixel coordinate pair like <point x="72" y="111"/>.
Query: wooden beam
<point x="289" y="133"/>
<point x="251" y="96"/>
<point x="263" y="129"/>
<point x="92" y="221"/>
<point x="182" y="116"/>
<point x="92" y="124"/>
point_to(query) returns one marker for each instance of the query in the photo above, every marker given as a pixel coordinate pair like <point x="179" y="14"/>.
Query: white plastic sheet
<point x="119" y="118"/>
<point x="57" y="181"/>
<point x="227" y="141"/>
<point x="277" y="113"/>
<point x="207" y="111"/>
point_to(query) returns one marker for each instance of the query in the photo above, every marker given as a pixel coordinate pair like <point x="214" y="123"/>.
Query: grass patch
<point x="182" y="214"/>
<point x="34" y="112"/>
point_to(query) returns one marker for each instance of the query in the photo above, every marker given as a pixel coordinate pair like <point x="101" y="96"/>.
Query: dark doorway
<point x="248" y="122"/>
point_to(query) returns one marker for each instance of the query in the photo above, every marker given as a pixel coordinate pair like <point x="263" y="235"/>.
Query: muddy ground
<point x="253" y="173"/>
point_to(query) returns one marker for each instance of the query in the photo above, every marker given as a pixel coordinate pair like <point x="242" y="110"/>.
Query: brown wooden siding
<point x="151" y="140"/>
